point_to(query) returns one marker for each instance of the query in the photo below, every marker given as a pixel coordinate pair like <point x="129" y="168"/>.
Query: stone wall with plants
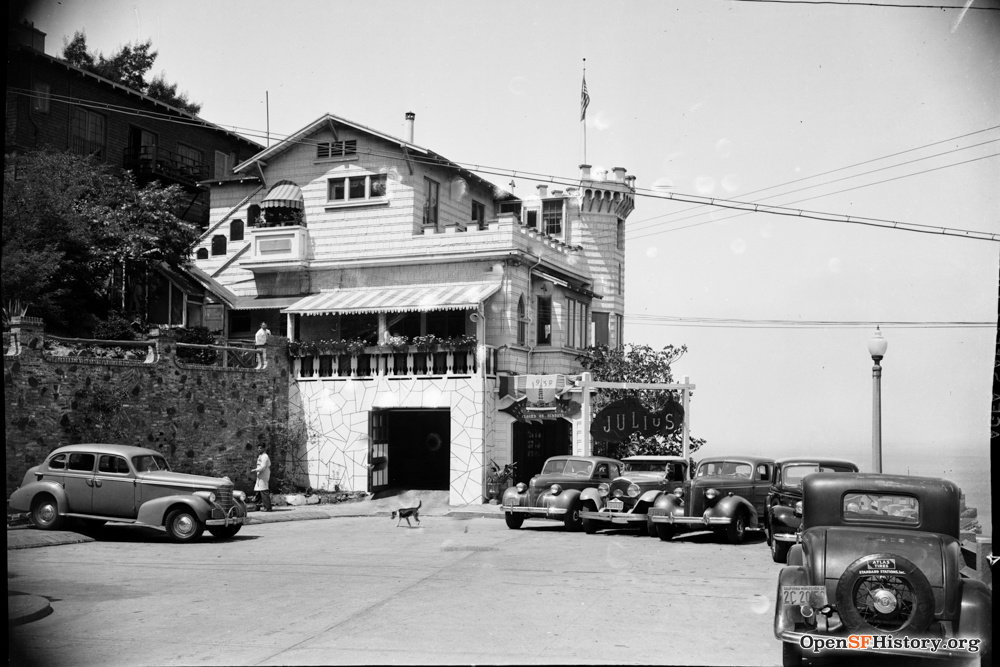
<point x="206" y="418"/>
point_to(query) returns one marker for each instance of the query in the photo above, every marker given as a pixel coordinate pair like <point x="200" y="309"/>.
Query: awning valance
<point x="265" y="302"/>
<point x="284" y="193"/>
<point x="395" y="299"/>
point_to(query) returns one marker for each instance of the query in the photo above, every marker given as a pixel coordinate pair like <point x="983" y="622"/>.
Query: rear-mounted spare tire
<point x="883" y="592"/>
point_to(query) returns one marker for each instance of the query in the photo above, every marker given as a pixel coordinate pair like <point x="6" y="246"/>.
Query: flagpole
<point x="584" y="101"/>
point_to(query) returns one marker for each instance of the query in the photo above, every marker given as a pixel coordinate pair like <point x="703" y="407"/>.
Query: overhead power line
<point x="749" y="207"/>
<point x="729" y="322"/>
<point x="967" y="6"/>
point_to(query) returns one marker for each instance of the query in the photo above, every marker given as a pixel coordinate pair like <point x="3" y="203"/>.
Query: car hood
<point x="167" y="477"/>
<point x="640" y="477"/>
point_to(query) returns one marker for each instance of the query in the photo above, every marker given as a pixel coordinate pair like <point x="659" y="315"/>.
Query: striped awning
<point x="284" y="193"/>
<point x="395" y="299"/>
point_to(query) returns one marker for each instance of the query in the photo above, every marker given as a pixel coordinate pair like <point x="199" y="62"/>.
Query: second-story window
<point x="236" y="230"/>
<point x="219" y="245"/>
<point x="191" y="162"/>
<point x="522" y="322"/>
<point x="334" y="149"/>
<point x="431" y="191"/>
<point x="577" y="323"/>
<point x="86" y="133"/>
<point x="543" y="308"/>
<point x="552" y="217"/>
<point x="478" y="215"/>
<point x="621" y="234"/>
<point x="224" y="164"/>
<point x="356" y="188"/>
<point x="531" y="221"/>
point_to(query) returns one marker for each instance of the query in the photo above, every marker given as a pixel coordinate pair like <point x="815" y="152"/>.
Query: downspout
<point x="531" y="348"/>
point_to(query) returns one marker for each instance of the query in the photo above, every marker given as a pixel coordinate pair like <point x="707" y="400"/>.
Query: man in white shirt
<point x="261" y="338"/>
<point x="263" y="472"/>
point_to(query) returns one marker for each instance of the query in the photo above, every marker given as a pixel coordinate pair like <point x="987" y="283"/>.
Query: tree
<point x="128" y="66"/>
<point x="639" y="364"/>
<point x="74" y="234"/>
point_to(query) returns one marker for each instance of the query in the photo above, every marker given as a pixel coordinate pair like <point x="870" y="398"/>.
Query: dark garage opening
<point x="420" y="449"/>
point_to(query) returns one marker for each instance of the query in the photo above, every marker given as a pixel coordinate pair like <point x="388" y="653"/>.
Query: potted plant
<point x="498" y="479"/>
<point x="464" y="342"/>
<point x="426" y="343"/>
<point x="398" y="343"/>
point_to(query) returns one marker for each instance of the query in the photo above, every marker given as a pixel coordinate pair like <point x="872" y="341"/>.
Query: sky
<point x="874" y="112"/>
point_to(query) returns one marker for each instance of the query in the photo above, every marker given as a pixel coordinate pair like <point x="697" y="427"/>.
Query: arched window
<point x="219" y="245"/>
<point x="522" y="322"/>
<point x="236" y="230"/>
<point x="202" y="253"/>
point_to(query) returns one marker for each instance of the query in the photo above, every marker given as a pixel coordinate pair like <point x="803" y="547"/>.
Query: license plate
<point x="797" y="596"/>
<point x="616" y="505"/>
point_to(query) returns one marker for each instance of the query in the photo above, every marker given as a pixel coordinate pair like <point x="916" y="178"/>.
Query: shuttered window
<point x="333" y="149"/>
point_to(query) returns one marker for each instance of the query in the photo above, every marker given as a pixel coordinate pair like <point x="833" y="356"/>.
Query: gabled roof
<point x="130" y="91"/>
<point x="326" y="120"/>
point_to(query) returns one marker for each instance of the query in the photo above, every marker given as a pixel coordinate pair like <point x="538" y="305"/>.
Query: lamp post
<point x="876" y="347"/>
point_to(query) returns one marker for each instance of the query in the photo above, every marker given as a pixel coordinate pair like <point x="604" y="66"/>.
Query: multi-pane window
<point x="511" y="207"/>
<point x="333" y="149"/>
<point x="431" y="192"/>
<point x="191" y="159"/>
<point x="223" y="164"/>
<point x="87" y="135"/>
<point x="478" y="215"/>
<point x="544" y="310"/>
<point x="552" y="216"/>
<point x="356" y="188"/>
<point x="522" y="322"/>
<point x="577" y="323"/>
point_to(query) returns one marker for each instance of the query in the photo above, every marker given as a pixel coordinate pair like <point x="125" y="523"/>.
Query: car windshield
<point x="861" y="506"/>
<point x="149" y="463"/>
<point x="792" y="474"/>
<point x="645" y="466"/>
<point x="568" y="467"/>
<point x="725" y="468"/>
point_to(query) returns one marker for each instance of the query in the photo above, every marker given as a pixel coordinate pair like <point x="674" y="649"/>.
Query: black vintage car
<point x="625" y="500"/>
<point x="781" y="521"/>
<point x="554" y="493"/>
<point x="726" y="495"/>
<point x="878" y="569"/>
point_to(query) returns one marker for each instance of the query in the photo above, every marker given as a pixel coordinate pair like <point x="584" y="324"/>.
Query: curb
<point x="26" y="608"/>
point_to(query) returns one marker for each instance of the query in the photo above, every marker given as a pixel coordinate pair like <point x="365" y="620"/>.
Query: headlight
<point x="711" y="494"/>
<point x="521" y="487"/>
<point x="679" y="492"/>
<point x="798" y="508"/>
<point x="633" y="490"/>
<point x="618" y="493"/>
<point x="603" y="489"/>
<point x="207" y="495"/>
<point x="555" y="489"/>
<point x="239" y="495"/>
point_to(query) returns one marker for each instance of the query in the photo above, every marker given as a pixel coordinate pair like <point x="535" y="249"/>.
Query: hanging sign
<point x="520" y="411"/>
<point x="619" y="420"/>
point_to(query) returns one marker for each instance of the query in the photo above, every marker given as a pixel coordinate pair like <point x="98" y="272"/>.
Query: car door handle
<point x="97" y="482"/>
<point x="90" y="482"/>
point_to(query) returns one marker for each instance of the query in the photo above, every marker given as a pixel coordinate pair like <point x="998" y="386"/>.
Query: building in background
<point x="412" y="289"/>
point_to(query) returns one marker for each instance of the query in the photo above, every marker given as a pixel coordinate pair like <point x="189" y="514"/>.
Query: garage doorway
<point x="419" y="449"/>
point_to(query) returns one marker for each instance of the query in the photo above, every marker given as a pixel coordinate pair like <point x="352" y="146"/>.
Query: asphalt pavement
<point x="27" y="608"/>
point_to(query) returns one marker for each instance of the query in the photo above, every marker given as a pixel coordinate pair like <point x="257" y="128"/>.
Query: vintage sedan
<point x="781" y="521"/>
<point x="625" y="500"/>
<point x="726" y="495"/>
<point x="879" y="565"/>
<point x="97" y="483"/>
<point x="555" y="492"/>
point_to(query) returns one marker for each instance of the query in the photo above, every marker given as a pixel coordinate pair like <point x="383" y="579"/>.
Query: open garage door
<point x="378" y="450"/>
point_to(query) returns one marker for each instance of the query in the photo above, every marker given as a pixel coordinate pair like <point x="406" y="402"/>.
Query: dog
<point x="406" y="513"/>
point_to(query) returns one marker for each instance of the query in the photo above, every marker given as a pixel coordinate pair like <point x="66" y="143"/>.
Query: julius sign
<point x="618" y="421"/>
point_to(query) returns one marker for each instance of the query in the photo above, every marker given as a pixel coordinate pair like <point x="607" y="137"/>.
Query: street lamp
<point x="876" y="347"/>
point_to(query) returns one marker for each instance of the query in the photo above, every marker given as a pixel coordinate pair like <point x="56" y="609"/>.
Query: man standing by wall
<point x="263" y="472"/>
<point x="260" y="340"/>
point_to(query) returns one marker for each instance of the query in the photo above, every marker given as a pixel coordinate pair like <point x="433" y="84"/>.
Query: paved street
<point x="361" y="591"/>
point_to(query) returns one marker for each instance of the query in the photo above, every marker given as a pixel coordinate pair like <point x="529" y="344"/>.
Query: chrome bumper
<point x="785" y="537"/>
<point x="704" y="520"/>
<point x="535" y="511"/>
<point x="613" y="517"/>
<point x="228" y="521"/>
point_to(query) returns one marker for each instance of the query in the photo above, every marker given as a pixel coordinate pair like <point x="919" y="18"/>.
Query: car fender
<point x="671" y="503"/>
<point x="511" y="492"/>
<point x="649" y="498"/>
<point x="592" y="495"/>
<point x="728" y="506"/>
<point x="154" y="512"/>
<point x="783" y="520"/>
<point x="565" y="500"/>
<point x="975" y="619"/>
<point x="22" y="498"/>
<point x="785" y="618"/>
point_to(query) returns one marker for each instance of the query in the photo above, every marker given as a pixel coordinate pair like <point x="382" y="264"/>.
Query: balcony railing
<point x="277" y="248"/>
<point x="382" y="362"/>
<point x="156" y="162"/>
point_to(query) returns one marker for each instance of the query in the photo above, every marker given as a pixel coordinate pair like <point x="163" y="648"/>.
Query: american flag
<point x="584" y="99"/>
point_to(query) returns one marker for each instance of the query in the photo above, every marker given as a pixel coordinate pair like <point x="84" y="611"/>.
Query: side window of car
<point x="112" y="464"/>
<point x="762" y="472"/>
<point x="602" y="471"/>
<point x="58" y="462"/>
<point x="81" y="462"/>
<point x="615" y="472"/>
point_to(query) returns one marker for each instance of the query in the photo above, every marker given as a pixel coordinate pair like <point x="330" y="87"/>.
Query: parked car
<point x="98" y="483"/>
<point x="781" y="521"/>
<point x="555" y="492"/>
<point x="626" y="499"/>
<point x="880" y="556"/>
<point x="726" y="495"/>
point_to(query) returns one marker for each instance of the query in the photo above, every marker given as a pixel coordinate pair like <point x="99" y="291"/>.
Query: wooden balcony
<point x="376" y="362"/>
<point x="277" y="249"/>
<point x="155" y="163"/>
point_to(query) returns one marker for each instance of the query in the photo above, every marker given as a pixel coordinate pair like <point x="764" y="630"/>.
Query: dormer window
<point x="552" y="217"/>
<point x="356" y="189"/>
<point x="335" y="149"/>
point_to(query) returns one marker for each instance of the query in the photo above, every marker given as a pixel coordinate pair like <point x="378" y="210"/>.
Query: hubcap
<point x="46" y="513"/>
<point x="184" y="525"/>
<point x="884" y="601"/>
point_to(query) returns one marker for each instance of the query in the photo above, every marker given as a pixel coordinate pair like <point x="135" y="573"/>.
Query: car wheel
<point x="650" y="528"/>
<point x="45" y="514"/>
<point x="225" y="532"/>
<point x="737" y="528"/>
<point x="589" y="526"/>
<point x="791" y="654"/>
<point x="514" y="521"/>
<point x="779" y="550"/>
<point x="183" y="526"/>
<point x="573" y="520"/>
<point x="885" y="599"/>
<point x="665" y="531"/>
